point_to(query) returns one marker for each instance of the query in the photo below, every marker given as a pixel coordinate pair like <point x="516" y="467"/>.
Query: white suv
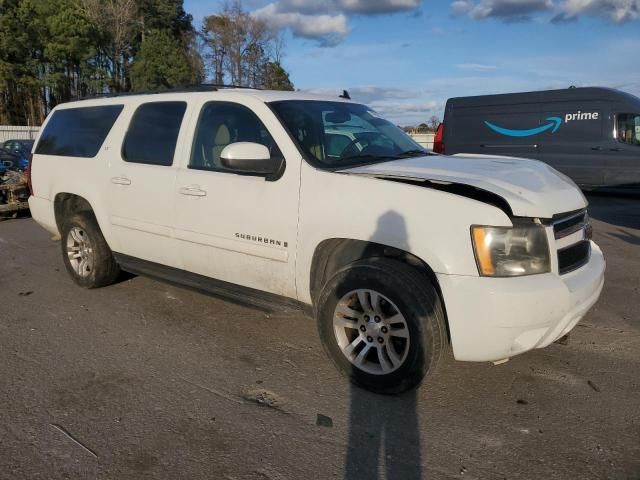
<point x="395" y="250"/>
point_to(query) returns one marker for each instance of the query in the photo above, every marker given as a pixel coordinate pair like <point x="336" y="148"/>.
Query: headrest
<point x="223" y="136"/>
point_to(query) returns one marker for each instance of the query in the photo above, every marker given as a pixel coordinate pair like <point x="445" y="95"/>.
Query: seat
<point x="211" y="151"/>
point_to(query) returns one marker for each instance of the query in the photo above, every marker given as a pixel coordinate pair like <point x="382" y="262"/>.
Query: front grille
<point x="574" y="257"/>
<point x="568" y="224"/>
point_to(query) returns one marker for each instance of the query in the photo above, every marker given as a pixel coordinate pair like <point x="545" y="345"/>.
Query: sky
<point x="404" y="58"/>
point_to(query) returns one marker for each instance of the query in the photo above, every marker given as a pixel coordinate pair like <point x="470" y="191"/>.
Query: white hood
<point x="532" y="188"/>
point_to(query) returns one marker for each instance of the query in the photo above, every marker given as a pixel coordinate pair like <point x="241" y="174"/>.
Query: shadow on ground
<point x="616" y="209"/>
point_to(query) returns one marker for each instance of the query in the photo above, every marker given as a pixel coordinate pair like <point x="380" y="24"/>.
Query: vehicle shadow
<point x="384" y="433"/>
<point x="628" y="237"/>
<point x="615" y="209"/>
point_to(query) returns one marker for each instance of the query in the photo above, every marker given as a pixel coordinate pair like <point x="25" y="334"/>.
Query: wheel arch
<point x="334" y="253"/>
<point x="66" y="204"/>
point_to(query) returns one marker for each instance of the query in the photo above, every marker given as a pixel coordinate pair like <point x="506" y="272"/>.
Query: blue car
<point x="21" y="148"/>
<point x="12" y="159"/>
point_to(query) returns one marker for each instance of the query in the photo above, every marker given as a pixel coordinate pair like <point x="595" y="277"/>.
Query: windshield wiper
<point x="353" y="161"/>
<point x="412" y="153"/>
<point x="366" y="156"/>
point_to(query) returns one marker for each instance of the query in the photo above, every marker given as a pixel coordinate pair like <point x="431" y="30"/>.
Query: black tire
<point x="104" y="270"/>
<point x="417" y="300"/>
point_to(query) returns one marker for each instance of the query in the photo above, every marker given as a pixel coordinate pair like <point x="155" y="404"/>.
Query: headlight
<point x="511" y="251"/>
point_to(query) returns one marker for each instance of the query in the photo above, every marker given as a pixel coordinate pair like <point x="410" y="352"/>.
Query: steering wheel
<point x="352" y="144"/>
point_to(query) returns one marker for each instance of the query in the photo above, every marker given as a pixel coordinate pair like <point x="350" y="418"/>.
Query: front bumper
<point x="495" y="318"/>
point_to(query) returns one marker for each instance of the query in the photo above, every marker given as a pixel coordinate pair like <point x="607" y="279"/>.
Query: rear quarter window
<point x="78" y="132"/>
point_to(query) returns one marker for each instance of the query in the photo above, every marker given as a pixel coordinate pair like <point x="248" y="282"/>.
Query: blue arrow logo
<point x="553" y="126"/>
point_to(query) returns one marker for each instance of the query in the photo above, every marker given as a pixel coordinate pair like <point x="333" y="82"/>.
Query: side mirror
<point x="250" y="158"/>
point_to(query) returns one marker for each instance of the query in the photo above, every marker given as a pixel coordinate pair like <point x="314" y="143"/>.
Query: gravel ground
<point x="145" y="380"/>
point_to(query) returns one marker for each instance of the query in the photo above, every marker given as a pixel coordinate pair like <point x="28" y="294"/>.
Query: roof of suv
<point x="223" y="93"/>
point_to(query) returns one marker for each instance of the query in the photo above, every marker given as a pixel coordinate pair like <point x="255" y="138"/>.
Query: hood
<point x="531" y="188"/>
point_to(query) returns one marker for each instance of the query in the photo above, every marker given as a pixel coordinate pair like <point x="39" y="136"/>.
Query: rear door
<point x="578" y="148"/>
<point x="142" y="181"/>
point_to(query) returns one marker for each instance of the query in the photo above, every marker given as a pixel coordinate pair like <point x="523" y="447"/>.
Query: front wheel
<point x="86" y="255"/>
<point x="381" y="323"/>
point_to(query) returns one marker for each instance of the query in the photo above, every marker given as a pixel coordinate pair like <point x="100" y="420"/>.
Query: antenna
<point x="345" y="95"/>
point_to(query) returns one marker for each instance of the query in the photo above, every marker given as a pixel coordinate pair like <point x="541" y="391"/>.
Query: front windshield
<point x="341" y="135"/>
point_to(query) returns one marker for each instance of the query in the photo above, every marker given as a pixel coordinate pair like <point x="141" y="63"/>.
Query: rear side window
<point x="153" y="133"/>
<point x="78" y="132"/>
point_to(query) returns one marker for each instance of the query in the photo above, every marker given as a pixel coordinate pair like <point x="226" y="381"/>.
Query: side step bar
<point x="243" y="296"/>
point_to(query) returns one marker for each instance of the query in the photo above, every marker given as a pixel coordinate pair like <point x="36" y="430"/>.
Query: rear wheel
<point x="85" y="252"/>
<point x="382" y="324"/>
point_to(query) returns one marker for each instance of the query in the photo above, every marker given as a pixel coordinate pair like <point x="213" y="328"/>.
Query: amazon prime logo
<point x="552" y="125"/>
<point x="570" y="117"/>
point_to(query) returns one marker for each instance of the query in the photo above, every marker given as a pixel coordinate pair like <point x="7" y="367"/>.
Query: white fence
<point x="12" y="132"/>
<point x="424" y="139"/>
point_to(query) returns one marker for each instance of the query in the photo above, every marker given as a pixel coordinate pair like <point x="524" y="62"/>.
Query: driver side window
<point x="221" y="124"/>
<point x="628" y="128"/>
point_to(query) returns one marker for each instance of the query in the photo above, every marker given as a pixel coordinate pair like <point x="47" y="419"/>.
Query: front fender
<point x="431" y="225"/>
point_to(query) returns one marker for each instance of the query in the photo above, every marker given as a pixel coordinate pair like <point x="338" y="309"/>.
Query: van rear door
<point x="578" y="147"/>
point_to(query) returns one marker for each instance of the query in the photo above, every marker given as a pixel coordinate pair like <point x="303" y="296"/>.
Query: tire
<point x="399" y="358"/>
<point x="81" y="236"/>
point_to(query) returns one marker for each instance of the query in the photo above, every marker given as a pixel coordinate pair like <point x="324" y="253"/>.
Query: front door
<point x="238" y="228"/>
<point x="624" y="151"/>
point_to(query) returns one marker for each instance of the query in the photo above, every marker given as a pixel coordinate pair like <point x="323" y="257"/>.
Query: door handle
<point x="120" y="181"/>
<point x="596" y="148"/>
<point x="193" y="191"/>
<point x="615" y="149"/>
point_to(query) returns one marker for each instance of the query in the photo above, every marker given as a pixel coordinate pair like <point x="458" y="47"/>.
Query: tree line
<point x="54" y="51"/>
<point x="431" y="125"/>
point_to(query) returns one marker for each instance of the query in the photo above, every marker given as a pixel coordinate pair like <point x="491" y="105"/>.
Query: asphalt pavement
<point x="146" y="380"/>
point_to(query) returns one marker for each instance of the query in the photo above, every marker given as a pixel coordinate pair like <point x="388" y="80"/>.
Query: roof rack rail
<point x="202" y="87"/>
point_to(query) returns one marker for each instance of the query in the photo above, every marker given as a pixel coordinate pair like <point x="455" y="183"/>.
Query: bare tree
<point x="278" y="47"/>
<point x="433" y="123"/>
<point x="241" y="47"/>
<point x="214" y="31"/>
